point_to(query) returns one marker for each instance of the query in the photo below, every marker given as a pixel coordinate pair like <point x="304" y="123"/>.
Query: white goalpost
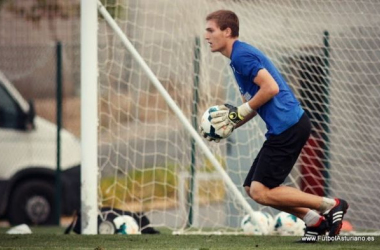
<point x="148" y="76"/>
<point x="89" y="117"/>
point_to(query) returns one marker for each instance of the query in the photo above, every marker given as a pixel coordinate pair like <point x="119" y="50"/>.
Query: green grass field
<point x="53" y="238"/>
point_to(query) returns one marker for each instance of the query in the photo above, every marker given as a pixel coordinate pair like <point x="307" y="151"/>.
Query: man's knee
<point x="258" y="192"/>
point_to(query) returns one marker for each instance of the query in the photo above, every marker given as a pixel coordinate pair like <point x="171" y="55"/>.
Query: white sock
<point x="311" y="218"/>
<point x="326" y="205"/>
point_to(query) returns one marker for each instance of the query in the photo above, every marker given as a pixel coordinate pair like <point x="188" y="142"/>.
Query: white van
<point x="28" y="162"/>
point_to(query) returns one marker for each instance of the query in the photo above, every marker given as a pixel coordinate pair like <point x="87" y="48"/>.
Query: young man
<point x="265" y="92"/>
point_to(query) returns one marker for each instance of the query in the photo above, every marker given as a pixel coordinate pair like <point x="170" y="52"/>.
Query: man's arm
<point x="268" y="88"/>
<point x="247" y="118"/>
<point x="230" y="117"/>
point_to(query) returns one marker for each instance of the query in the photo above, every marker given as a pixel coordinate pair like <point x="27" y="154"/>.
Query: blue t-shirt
<point x="283" y="110"/>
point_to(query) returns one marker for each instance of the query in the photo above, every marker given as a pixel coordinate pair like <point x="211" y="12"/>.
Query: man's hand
<point x="226" y="115"/>
<point x="203" y="133"/>
<point x="226" y="118"/>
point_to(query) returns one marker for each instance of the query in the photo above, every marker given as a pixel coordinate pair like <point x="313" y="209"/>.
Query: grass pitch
<point x="53" y="238"/>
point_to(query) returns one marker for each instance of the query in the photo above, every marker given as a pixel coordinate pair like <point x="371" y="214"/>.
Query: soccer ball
<point x="126" y="224"/>
<point x="206" y="123"/>
<point x="288" y="224"/>
<point x="251" y="226"/>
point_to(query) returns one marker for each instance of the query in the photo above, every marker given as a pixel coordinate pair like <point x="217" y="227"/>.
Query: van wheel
<point x="32" y="202"/>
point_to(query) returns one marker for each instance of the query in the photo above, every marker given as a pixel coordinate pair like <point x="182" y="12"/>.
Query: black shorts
<point x="279" y="154"/>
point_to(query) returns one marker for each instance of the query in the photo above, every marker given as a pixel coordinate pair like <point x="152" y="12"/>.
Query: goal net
<point x="328" y="51"/>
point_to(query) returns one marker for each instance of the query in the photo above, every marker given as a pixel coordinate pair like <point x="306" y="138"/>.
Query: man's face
<point x="215" y="37"/>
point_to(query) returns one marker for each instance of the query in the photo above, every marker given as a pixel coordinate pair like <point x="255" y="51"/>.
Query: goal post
<point x="89" y="116"/>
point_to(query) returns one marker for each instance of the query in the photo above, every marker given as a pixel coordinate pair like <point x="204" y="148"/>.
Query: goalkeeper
<point x="265" y="92"/>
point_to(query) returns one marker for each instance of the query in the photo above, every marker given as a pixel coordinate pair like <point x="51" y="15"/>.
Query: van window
<point x="11" y="115"/>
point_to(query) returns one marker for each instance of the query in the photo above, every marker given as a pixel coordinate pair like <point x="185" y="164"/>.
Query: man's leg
<point x="300" y="212"/>
<point x="315" y="223"/>
<point x="310" y="217"/>
<point x="284" y="196"/>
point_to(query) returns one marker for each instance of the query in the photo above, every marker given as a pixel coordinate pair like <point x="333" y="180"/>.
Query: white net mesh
<point x="327" y="50"/>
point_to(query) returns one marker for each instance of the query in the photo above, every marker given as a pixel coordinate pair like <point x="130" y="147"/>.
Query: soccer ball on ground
<point x="206" y="123"/>
<point x="251" y="227"/>
<point x="126" y="224"/>
<point x="287" y="224"/>
<point x="123" y="224"/>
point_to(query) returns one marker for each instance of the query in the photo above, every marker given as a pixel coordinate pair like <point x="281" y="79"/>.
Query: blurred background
<point x="29" y="33"/>
<point x="327" y="50"/>
<point x="40" y="79"/>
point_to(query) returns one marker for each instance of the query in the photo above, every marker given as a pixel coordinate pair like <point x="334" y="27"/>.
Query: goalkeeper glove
<point x="228" y="116"/>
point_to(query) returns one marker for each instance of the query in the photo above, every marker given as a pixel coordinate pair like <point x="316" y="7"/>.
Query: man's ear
<point x="228" y="32"/>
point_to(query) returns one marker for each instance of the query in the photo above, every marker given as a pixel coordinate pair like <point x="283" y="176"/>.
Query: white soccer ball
<point x="251" y="226"/>
<point x="288" y="224"/>
<point x="206" y="123"/>
<point x="126" y="224"/>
